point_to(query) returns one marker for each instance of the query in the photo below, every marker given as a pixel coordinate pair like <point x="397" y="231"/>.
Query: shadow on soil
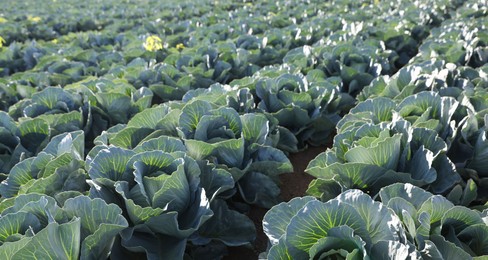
<point x="292" y="185"/>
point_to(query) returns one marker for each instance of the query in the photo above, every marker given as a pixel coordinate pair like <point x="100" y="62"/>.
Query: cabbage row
<point x="406" y="222"/>
<point x="405" y="176"/>
<point x="150" y="131"/>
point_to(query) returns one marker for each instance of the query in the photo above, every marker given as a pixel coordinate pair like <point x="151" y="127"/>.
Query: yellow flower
<point x="34" y="19"/>
<point x="2" y="41"/>
<point x="153" y="43"/>
<point x="3" y="20"/>
<point x="180" y="46"/>
<point x="55" y="41"/>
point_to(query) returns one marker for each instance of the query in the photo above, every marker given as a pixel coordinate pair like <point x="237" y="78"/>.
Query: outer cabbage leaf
<point x="83" y="228"/>
<point x="351" y="225"/>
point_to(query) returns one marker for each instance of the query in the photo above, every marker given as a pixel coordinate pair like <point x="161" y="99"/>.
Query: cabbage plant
<point x="20" y="140"/>
<point x="240" y="143"/>
<point x="426" y="109"/>
<point x="469" y="151"/>
<point x="369" y="154"/>
<point x="457" y="41"/>
<point x="57" y="171"/>
<point x="350" y="226"/>
<point x="108" y="102"/>
<point x="447" y="79"/>
<point x="62" y="110"/>
<point x="309" y="110"/>
<point x="439" y="229"/>
<point x="356" y="65"/>
<point x="408" y="223"/>
<point x="35" y="226"/>
<point x="169" y="197"/>
<point x="240" y="99"/>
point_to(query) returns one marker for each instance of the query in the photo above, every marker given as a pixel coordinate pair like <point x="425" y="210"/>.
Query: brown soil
<point x="295" y="184"/>
<point x="292" y="185"/>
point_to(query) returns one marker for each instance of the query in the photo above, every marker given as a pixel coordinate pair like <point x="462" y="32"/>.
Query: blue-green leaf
<point x="315" y="219"/>
<point x="34" y="134"/>
<point x="190" y="116"/>
<point x="226" y="225"/>
<point x="56" y="241"/>
<point x="162" y="143"/>
<point x="148" y="118"/>
<point x="340" y="241"/>
<point x="111" y="163"/>
<point x="448" y="249"/>
<point x="17" y="224"/>
<point x="385" y="154"/>
<point x="394" y="250"/>
<point x="410" y="193"/>
<point x="381" y="222"/>
<point x="100" y="223"/>
<point x="277" y="218"/>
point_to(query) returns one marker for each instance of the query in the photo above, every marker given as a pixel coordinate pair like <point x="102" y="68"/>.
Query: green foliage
<point x="351" y="225"/>
<point x="36" y="226"/>
<point x="149" y="132"/>
<point x="408" y="223"/>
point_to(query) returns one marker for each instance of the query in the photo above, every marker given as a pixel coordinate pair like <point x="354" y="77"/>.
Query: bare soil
<point x="292" y="185"/>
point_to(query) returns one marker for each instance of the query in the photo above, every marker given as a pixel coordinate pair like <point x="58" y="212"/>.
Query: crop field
<point x="250" y="129"/>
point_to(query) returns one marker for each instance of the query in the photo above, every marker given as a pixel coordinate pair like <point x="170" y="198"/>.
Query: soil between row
<point x="292" y="185"/>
